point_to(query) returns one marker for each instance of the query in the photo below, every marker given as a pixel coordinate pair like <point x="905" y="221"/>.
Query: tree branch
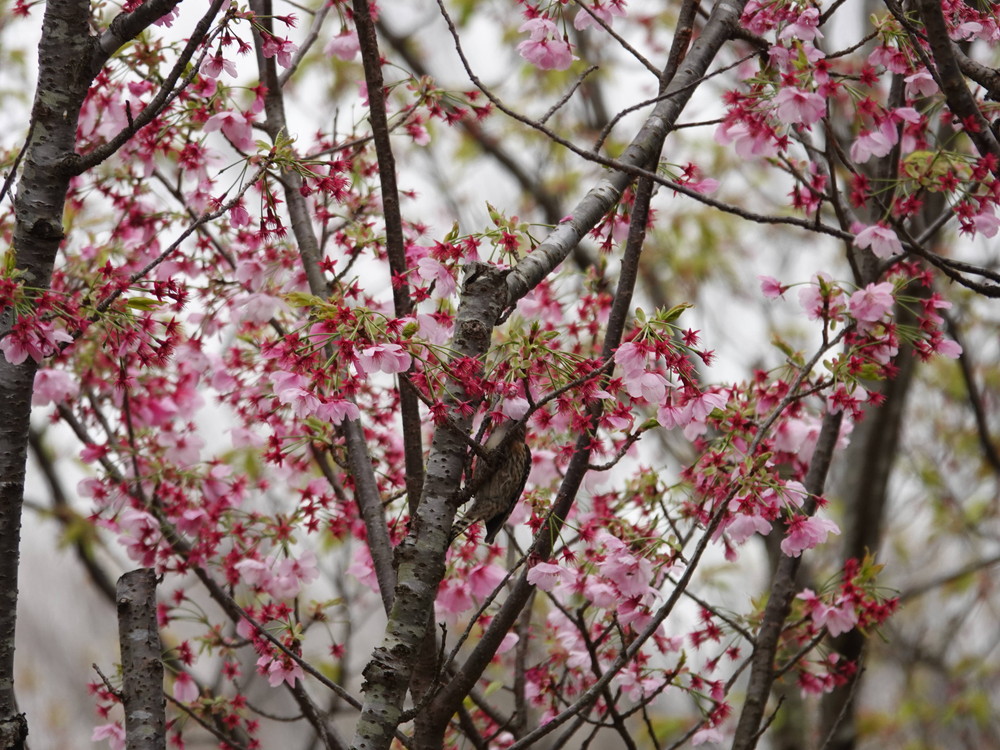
<point x="168" y="91"/>
<point x="413" y="450"/>
<point x="142" y="667"/>
<point x="949" y="78"/>
<point x="782" y="593"/>
<point x="359" y="461"/>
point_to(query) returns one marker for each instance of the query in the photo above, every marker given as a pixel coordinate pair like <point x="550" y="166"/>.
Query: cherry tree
<point x="276" y="273"/>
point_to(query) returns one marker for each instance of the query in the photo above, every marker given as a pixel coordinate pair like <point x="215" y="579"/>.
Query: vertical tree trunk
<point x="142" y="668"/>
<point x="63" y="78"/>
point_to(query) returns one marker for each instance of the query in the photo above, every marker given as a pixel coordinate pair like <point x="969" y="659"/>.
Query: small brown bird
<point x="499" y="488"/>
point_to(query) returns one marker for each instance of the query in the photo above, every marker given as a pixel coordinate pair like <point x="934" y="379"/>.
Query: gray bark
<point x="142" y="667"/>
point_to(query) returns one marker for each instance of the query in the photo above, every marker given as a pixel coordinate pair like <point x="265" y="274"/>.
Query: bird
<point x="497" y="481"/>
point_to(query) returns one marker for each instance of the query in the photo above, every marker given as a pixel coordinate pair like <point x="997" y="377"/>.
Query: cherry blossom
<point x="185" y="688"/>
<point x="606" y="10"/>
<point x="114" y="733"/>
<point x="878" y="142"/>
<point x="798" y="106"/>
<point x="545" y="48"/>
<point x="279" y="670"/>
<point x="881" y="239"/>
<point x="344" y="46"/>
<point x="546" y="575"/>
<point x="805" y="532"/>
<point x="235" y="127"/>
<point x="233" y="321"/>
<point x="388" y="358"/>
<point x="921" y="83"/>
<point x="216" y="64"/>
<point x="53" y="386"/>
<point x="871" y="304"/>
<point x="805" y="27"/>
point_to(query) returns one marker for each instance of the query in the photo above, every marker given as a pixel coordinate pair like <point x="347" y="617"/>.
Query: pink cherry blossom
<point x="707" y="735"/>
<point x="216" y="64"/>
<point x="601" y="593"/>
<point x="280" y="49"/>
<point x="185" y="688"/>
<point x="632" y="359"/>
<point x="515" y="407"/>
<point x="454" y="596"/>
<point x="113" y="733"/>
<point x="986" y="223"/>
<point x="53" y="386"/>
<point x="627" y="572"/>
<point x="509" y="641"/>
<point x="805" y="27"/>
<point x="792" y="493"/>
<point x="344" y="46"/>
<point x="743" y="526"/>
<point x="239" y="216"/>
<point x="337" y="410"/>
<point x="31" y="338"/>
<point x="258" y="307"/>
<point x="432" y="270"/>
<point x="140" y="534"/>
<point x="843" y="397"/>
<point x="949" y="348"/>
<point x="483" y="579"/>
<point x="771" y="287"/>
<point x="881" y="239"/>
<point x="920" y="83"/>
<point x="546" y="576"/>
<point x="545" y="48"/>
<point x="291" y="573"/>
<point x="704" y="186"/>
<point x="388" y="358"/>
<point x="821" y="298"/>
<point x="891" y="57"/>
<point x="363" y="568"/>
<point x="235" y="127"/>
<point x="794" y="105"/>
<point x="606" y="11"/>
<point x="254" y="573"/>
<point x="837" y="619"/>
<point x="877" y="142"/>
<point x="806" y="532"/>
<point x="292" y="390"/>
<point x="703" y="404"/>
<point x="649" y="386"/>
<point x="279" y="670"/>
<point x="870" y="304"/>
<point x="418" y="132"/>
<point x="749" y="142"/>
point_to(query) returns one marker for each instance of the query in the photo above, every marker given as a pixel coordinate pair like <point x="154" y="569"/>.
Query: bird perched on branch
<point x="498" y="480"/>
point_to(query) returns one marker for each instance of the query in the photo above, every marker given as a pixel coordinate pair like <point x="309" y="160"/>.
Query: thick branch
<point x="952" y="82"/>
<point x="127" y="26"/>
<point x="142" y="667"/>
<point x="779" y="603"/>
<point x="413" y="451"/>
<point x="38" y="231"/>
<point x="644" y="150"/>
<point x="421" y="554"/>
<point x="168" y="90"/>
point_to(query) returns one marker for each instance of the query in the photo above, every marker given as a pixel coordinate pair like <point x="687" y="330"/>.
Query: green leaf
<point x="143" y="303"/>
